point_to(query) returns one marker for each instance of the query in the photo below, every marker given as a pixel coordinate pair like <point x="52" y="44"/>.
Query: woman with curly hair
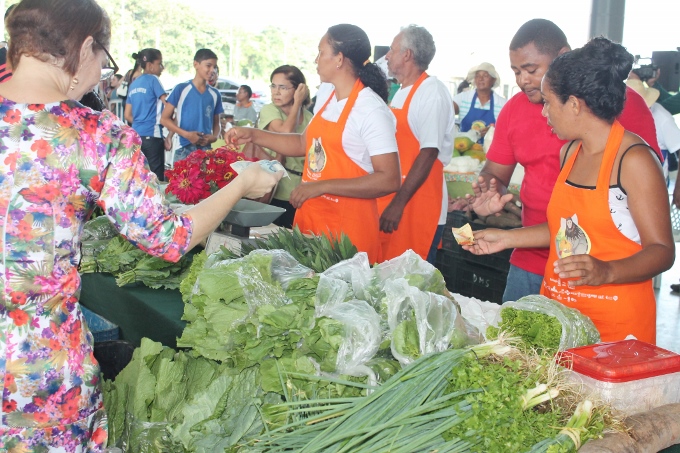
<point x="612" y="181"/>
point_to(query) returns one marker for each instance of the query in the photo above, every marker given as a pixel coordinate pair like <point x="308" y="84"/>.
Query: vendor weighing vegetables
<point x="349" y="146"/>
<point x="608" y="229"/>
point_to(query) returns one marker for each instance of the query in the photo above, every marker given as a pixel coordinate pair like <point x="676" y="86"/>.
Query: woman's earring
<point x="74" y="82"/>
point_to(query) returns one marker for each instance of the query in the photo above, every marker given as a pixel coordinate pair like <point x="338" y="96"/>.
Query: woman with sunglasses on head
<point x="58" y="161"/>
<point x="287" y="114"/>
<point x="145" y="101"/>
<point x="350" y="146"/>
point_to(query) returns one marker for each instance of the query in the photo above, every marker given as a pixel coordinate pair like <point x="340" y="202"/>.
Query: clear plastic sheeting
<point x="146" y="437"/>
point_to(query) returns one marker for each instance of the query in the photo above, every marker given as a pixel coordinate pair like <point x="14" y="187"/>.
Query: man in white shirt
<point x="414" y="217"/>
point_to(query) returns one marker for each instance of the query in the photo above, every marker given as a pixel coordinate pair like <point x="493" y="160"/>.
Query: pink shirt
<point x="523" y="136"/>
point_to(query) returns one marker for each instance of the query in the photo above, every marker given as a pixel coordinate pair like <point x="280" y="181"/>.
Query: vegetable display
<point x="546" y="324"/>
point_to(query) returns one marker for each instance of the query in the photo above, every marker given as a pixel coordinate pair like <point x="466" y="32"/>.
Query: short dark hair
<point x="293" y="75"/>
<point x="118" y="76"/>
<point x="248" y="90"/>
<point x="595" y="73"/>
<point x="204" y="54"/>
<point x="46" y="30"/>
<point x="548" y="38"/>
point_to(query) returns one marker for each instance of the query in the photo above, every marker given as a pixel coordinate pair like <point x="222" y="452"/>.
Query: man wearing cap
<point x="481" y="104"/>
<point x="414" y="217"/>
<point x="524" y="137"/>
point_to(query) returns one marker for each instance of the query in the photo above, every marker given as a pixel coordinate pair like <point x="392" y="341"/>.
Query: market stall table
<point x="138" y="310"/>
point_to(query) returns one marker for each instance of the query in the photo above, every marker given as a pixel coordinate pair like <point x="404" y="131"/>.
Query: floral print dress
<point x="57" y="161"/>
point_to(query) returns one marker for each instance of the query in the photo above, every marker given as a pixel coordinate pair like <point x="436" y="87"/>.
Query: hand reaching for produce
<point x="487" y="200"/>
<point x="584" y="270"/>
<point x="488" y="241"/>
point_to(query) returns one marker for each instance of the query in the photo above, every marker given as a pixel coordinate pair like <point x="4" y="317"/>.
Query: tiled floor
<point x="668" y="308"/>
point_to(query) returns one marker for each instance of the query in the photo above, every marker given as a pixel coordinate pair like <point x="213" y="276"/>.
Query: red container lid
<point x="620" y="361"/>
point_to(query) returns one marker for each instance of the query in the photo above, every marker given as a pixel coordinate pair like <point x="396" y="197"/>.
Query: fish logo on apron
<point x="571" y="239"/>
<point x="316" y="157"/>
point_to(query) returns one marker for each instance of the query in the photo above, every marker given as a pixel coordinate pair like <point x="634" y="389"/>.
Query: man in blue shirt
<point x="198" y="107"/>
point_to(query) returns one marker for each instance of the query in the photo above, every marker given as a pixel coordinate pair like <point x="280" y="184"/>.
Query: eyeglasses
<point x="107" y="71"/>
<point x="280" y="87"/>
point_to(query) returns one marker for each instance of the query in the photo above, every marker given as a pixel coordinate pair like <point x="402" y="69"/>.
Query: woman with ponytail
<point x="349" y="146"/>
<point x="145" y="102"/>
<point x="609" y="228"/>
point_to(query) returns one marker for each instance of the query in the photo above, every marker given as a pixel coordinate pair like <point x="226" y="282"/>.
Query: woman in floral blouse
<point x="58" y="160"/>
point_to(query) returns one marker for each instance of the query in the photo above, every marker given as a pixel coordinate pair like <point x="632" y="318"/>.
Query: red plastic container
<point x="631" y="375"/>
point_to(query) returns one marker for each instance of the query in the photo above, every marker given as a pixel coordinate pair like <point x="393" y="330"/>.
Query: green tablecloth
<point x="139" y="311"/>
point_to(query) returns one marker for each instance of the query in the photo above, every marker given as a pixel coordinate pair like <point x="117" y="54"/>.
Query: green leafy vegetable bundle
<point x="130" y="264"/>
<point x="545" y="324"/>
<point x="167" y="401"/>
<point x="315" y="252"/>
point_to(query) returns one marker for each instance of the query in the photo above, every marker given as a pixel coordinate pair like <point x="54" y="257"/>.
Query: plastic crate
<point x="102" y="329"/>
<point x="456" y="219"/>
<point x="480" y="282"/>
<point x="113" y="356"/>
<point x="447" y="262"/>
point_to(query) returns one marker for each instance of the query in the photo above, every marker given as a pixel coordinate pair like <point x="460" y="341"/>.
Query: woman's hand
<point x="304" y="192"/>
<point x="490" y="240"/>
<point x="257" y="182"/>
<point x="487" y="200"/>
<point x="301" y="93"/>
<point x="583" y="270"/>
<point x="239" y="135"/>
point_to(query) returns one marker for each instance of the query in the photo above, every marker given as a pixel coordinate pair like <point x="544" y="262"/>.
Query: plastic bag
<point x="285" y="268"/>
<point x="577" y="328"/>
<point x="435" y="318"/>
<point x="480" y="314"/>
<point x="362" y="337"/>
<point x="329" y="293"/>
<point x="415" y="270"/>
<point x="98" y="229"/>
<point x="146" y="437"/>
<point x="272" y="166"/>
<point x="356" y="271"/>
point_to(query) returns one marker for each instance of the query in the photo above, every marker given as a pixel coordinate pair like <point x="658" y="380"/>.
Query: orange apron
<point x="326" y="159"/>
<point x="421" y="215"/>
<point x="580" y="222"/>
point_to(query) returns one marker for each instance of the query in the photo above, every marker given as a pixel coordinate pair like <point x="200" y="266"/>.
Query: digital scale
<point x="247" y="221"/>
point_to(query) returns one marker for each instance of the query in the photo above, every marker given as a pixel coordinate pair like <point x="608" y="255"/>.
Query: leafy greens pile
<point x="545" y="324"/>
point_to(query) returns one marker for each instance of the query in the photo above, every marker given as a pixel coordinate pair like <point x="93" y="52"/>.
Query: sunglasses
<point x="111" y="68"/>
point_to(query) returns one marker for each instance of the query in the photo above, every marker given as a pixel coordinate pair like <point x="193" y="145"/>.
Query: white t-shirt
<point x="371" y="126"/>
<point x="667" y="131"/>
<point x="431" y="119"/>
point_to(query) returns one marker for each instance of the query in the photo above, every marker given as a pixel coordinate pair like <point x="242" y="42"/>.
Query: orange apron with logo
<point x="421" y="215"/>
<point x="580" y="222"/>
<point x="326" y="159"/>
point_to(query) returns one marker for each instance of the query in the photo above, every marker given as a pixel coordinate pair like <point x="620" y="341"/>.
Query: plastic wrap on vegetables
<point x="421" y="322"/>
<point x="545" y="323"/>
<point x="360" y="337"/>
